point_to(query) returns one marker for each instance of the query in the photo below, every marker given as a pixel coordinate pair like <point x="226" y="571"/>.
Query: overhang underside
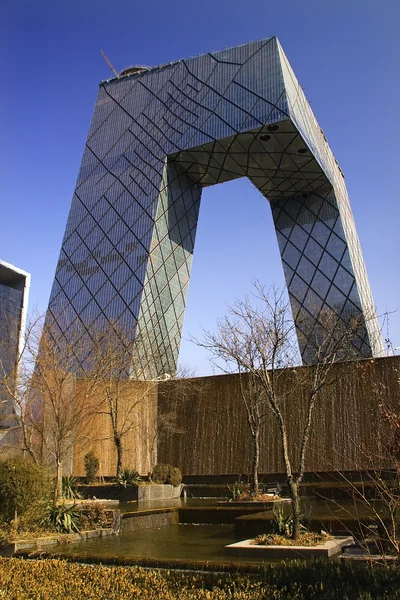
<point x="274" y="157"/>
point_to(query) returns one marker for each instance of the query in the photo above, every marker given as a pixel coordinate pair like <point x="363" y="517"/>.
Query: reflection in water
<point x="192" y="542"/>
<point x="176" y="542"/>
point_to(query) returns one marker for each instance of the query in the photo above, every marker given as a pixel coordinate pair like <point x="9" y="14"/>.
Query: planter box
<point x="154" y="491"/>
<point x="158" y="491"/>
<point x="329" y="548"/>
<point x="108" y="491"/>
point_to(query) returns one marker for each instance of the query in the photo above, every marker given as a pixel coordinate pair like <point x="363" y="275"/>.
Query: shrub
<point x="128" y="478"/>
<point x="91" y="466"/>
<point x="322" y="580"/>
<point x="96" y="516"/>
<point x="282" y="522"/>
<point x="69" y="488"/>
<point x="238" y="490"/>
<point x="166" y="474"/>
<point x="174" y="476"/>
<point x="159" y="473"/>
<point x="64" y="519"/>
<point x="24" y="487"/>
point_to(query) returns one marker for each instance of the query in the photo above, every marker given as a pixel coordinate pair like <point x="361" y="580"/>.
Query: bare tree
<point x="63" y="403"/>
<point x="257" y="339"/>
<point x="120" y="395"/>
<point x="49" y="408"/>
<point x="61" y="381"/>
<point x="124" y="394"/>
<point x="16" y="375"/>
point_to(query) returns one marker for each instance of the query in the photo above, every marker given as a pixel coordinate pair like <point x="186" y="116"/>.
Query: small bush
<point x="24" y="488"/>
<point x="166" y="474"/>
<point x="96" y="516"/>
<point x="238" y="490"/>
<point x="159" y="473"/>
<point x="128" y="478"/>
<point x="91" y="466"/>
<point x="64" y="519"/>
<point x="69" y="488"/>
<point x="174" y="476"/>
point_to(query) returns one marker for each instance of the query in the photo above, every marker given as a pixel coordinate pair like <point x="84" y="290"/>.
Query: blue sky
<point x="345" y="54"/>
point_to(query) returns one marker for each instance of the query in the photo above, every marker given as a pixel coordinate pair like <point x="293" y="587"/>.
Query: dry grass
<point x="247" y="497"/>
<point x="306" y="538"/>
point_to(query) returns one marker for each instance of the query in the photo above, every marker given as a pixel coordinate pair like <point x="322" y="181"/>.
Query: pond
<point x="175" y="544"/>
<point x="196" y="542"/>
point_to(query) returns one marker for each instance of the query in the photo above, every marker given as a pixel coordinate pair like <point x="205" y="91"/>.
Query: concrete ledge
<point x="89" y="502"/>
<point x="37" y="544"/>
<point x="267" y="503"/>
<point x="329" y="548"/>
<point x="141" y="492"/>
<point x="149" y="519"/>
<point x="222" y="514"/>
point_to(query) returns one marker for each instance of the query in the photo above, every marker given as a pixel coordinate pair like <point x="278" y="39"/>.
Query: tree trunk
<point x="58" y="485"/>
<point x="118" y="446"/>
<point x="26" y="440"/>
<point x="291" y="481"/>
<point x="294" y="494"/>
<point x="256" y="460"/>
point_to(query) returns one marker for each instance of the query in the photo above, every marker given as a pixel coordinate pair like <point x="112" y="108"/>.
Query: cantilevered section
<point x="158" y="137"/>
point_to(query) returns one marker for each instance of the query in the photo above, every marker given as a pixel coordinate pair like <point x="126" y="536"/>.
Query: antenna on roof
<point x="109" y="63"/>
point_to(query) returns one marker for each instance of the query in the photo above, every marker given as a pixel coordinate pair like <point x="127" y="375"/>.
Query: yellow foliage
<point x="60" y="580"/>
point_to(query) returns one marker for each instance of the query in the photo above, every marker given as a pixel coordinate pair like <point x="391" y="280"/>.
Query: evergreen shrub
<point x="163" y="473"/>
<point x="24" y="487"/>
<point x="92" y="464"/>
<point x="128" y="478"/>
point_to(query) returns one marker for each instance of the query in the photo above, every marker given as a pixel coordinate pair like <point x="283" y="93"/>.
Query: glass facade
<point x="10" y="319"/>
<point x="157" y="137"/>
<point x="14" y="285"/>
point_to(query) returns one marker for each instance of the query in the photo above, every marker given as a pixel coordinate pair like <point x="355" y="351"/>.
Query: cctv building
<point x="157" y="137"/>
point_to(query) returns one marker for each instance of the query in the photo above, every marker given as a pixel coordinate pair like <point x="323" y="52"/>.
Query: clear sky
<point x="346" y="55"/>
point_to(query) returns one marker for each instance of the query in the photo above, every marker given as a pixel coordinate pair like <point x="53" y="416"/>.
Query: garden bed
<point x="326" y="549"/>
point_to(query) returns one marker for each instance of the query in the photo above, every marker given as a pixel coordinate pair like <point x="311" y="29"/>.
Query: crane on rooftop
<point x="109" y="63"/>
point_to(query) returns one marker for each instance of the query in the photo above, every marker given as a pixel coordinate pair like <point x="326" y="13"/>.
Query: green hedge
<point x="23" y="487"/>
<point x="59" y="580"/>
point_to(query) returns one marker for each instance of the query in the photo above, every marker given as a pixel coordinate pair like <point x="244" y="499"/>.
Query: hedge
<point x="60" y="580"/>
<point x="23" y="486"/>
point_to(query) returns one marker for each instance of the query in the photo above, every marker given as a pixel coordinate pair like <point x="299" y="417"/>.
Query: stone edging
<point x="37" y="544"/>
<point x="269" y="502"/>
<point x="329" y="548"/>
